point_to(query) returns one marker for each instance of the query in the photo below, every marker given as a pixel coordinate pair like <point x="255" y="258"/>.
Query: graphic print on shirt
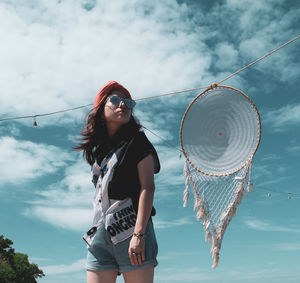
<point x="102" y="175"/>
<point x="120" y="220"/>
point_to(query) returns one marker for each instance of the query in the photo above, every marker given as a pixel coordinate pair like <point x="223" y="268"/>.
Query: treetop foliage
<point x="15" y="267"/>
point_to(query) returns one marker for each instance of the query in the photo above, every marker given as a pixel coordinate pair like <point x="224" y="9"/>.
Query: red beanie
<point x="105" y="90"/>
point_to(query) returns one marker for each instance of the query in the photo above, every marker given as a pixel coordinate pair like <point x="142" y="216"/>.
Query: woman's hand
<point x="137" y="250"/>
<point x="146" y="176"/>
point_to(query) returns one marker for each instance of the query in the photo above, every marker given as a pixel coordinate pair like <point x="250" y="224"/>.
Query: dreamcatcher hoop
<point x="207" y="94"/>
<point x="219" y="135"/>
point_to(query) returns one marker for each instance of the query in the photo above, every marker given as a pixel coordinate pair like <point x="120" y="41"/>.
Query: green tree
<point x="15" y="267"/>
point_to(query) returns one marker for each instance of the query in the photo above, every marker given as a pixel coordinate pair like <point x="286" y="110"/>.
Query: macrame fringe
<point x="215" y="236"/>
<point x="187" y="177"/>
<point x="186" y="196"/>
<point x="230" y="213"/>
<point x="216" y="256"/>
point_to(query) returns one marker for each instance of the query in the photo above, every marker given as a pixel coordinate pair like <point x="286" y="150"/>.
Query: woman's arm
<point x="146" y="177"/>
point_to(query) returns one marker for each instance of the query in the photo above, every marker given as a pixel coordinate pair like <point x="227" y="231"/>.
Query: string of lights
<point x="156" y="96"/>
<point x="45" y="114"/>
<point x="89" y="105"/>
<point x="269" y="191"/>
<point x="288" y="194"/>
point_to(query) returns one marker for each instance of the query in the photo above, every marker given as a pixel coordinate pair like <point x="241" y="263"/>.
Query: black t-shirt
<point x="125" y="182"/>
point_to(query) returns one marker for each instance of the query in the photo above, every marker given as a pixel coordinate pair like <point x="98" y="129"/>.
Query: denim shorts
<point x="104" y="255"/>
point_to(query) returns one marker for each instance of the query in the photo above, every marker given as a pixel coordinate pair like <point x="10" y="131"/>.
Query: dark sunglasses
<point x="115" y="100"/>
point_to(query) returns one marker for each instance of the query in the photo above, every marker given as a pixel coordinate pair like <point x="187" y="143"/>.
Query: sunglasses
<point x="115" y="100"/>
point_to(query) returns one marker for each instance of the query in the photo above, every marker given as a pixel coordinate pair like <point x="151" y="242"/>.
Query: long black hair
<point x="95" y="139"/>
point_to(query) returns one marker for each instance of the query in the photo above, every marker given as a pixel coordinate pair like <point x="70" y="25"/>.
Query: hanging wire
<point x="44" y="114"/>
<point x="289" y="195"/>
<point x="164" y="140"/>
<point x="161" y="95"/>
<point x="259" y="59"/>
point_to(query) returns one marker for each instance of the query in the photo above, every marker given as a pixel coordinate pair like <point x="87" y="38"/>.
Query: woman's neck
<point x="112" y="128"/>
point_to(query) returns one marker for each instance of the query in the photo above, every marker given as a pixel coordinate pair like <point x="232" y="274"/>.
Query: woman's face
<point x="116" y="114"/>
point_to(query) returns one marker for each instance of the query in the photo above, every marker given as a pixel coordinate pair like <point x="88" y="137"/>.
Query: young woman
<point x="122" y="239"/>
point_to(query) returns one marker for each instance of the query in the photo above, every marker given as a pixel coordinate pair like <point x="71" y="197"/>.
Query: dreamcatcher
<point x="219" y="135"/>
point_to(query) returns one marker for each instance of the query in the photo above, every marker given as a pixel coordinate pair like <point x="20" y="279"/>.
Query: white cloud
<point x="175" y="254"/>
<point x="61" y="59"/>
<point x="63" y="268"/>
<point x="78" y="176"/>
<point x="152" y="127"/>
<point x="166" y="224"/>
<point x="67" y="203"/>
<point x="262" y="225"/>
<point x="21" y="160"/>
<point x="279" y="119"/>
<point x="253" y="47"/>
<point x="275" y="180"/>
<point x="162" y="136"/>
<point x="227" y="56"/>
<point x="294" y="149"/>
<point x="60" y="53"/>
<point x="171" y="175"/>
<point x="270" y="157"/>
<point x="10" y="130"/>
<point x="184" y="275"/>
<point x="38" y="259"/>
<point x="293" y="247"/>
<point x="263" y="171"/>
<point x="269" y="171"/>
<point x="236" y="273"/>
<point x="75" y="219"/>
<point x="260" y="28"/>
<point x="281" y="170"/>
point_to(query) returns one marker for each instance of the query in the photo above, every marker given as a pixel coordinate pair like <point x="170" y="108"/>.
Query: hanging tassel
<point x="216" y="261"/>
<point x="197" y="203"/>
<point x="213" y="224"/>
<point x="215" y="250"/>
<point x="186" y="195"/>
<point x="200" y="213"/>
<point x="250" y="185"/>
<point x="208" y="236"/>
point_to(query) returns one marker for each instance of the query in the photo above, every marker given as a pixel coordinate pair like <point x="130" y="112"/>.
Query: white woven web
<point x="220" y="131"/>
<point x="219" y="135"/>
<point x="216" y="200"/>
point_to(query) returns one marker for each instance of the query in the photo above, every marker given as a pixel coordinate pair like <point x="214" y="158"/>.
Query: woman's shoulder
<point x="141" y="147"/>
<point x="140" y="140"/>
<point x="141" y="136"/>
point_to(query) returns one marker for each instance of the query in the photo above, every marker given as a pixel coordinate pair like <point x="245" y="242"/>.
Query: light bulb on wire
<point x="34" y="122"/>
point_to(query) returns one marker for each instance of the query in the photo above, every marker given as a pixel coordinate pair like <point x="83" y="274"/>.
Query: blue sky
<point x="57" y="54"/>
